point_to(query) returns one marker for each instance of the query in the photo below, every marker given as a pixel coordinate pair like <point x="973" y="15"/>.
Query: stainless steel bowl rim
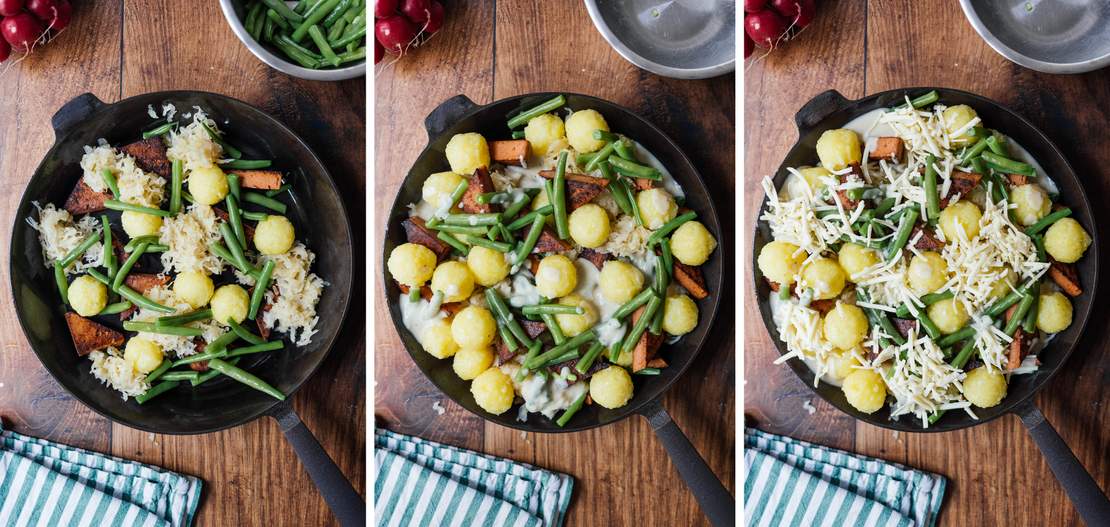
<point x="1024" y="60"/>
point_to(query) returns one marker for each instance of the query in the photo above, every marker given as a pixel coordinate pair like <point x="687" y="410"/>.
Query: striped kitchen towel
<point x="49" y="484"/>
<point x="791" y="482"/>
<point x="429" y="484"/>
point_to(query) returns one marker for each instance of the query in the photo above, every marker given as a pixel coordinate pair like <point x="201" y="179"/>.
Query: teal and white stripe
<point x="48" y="484"/>
<point x="425" y="483"/>
<point x="794" y="483"/>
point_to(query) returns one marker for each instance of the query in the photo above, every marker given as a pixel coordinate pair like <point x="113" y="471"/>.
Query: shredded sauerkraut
<point x="293" y="305"/>
<point x="59" y="234"/>
<point x="188" y="236"/>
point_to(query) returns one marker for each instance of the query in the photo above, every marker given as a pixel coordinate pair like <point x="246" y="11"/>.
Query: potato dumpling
<point x="437" y="189"/>
<point x="436" y="338"/>
<point x="137" y="224"/>
<point x="1003" y="285"/>
<point x="194" y="288"/>
<point x="574" y="324"/>
<point x="487" y="265"/>
<point x="839" y="148"/>
<point x="927" y="272"/>
<point x="1066" y="240"/>
<point x="467" y="152"/>
<point x="955" y="119"/>
<point x="961" y="215"/>
<point x="619" y="281"/>
<point x="692" y="243"/>
<point x="949" y="315"/>
<point x="657" y="207"/>
<point x="589" y="225"/>
<point x="230" y="302"/>
<point x="841" y="363"/>
<point x="471" y="362"/>
<point x="274" y="235"/>
<point x="611" y="388"/>
<point x="865" y="390"/>
<point x="984" y="388"/>
<point x="454" y="280"/>
<point x="845" y="326"/>
<point x="543" y="131"/>
<point x="473" y="327"/>
<point x="493" y="391"/>
<point x="556" y="276"/>
<point x="780" y="261"/>
<point x="680" y="315"/>
<point x="855" y="258"/>
<point x="541" y="200"/>
<point x="1053" y="312"/>
<point x="814" y="177"/>
<point x="580" y="128"/>
<point x="87" y="296"/>
<point x="824" y="276"/>
<point x="412" y="264"/>
<point x="143" y="355"/>
<point x="1031" y="203"/>
<point x="208" y="185"/>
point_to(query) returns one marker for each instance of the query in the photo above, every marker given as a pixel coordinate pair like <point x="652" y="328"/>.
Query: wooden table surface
<point x="491" y="50"/>
<point x="118" y="49"/>
<point x="996" y="474"/>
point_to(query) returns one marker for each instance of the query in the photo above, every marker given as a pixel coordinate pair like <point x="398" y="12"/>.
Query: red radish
<point x="765" y="28"/>
<point x="395" y="33"/>
<point x="379" y="51"/>
<point x="21" y="31"/>
<point x="63" y="12"/>
<point x="435" y="19"/>
<point x="418" y="11"/>
<point x="385" y="8"/>
<point x="5" y="50"/>
<point x="798" y="12"/>
<point x="44" y="9"/>
<point x="749" y="46"/>
<point x="10" y="7"/>
<point x="754" y="6"/>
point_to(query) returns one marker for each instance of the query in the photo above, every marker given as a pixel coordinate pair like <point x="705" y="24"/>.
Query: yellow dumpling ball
<point x="1054" y="312"/>
<point x="575" y="324"/>
<point x="680" y="315"/>
<point x="473" y="327"/>
<point x="87" y="296"/>
<point x="543" y="131"/>
<point x="691" y="243"/>
<point x="137" y="224"/>
<point x="956" y="119"/>
<point x="845" y="326"/>
<point x="411" y="264"/>
<point x="620" y="281"/>
<point x="471" y="362"/>
<point x="493" y="391"/>
<point x="780" y="261"/>
<point x="865" y="390"/>
<point x="841" y="364"/>
<point x="194" y="288"/>
<point x="611" y="388"/>
<point x="438" y="187"/>
<point x="143" y="355"/>
<point x="589" y="225"/>
<point x="927" y="272"/>
<point x="436" y="339"/>
<point x="208" y="185"/>
<point x="487" y="265"/>
<point x="1031" y="203"/>
<point x="984" y="388"/>
<point x="1003" y="286"/>
<point x="556" y="276"/>
<point x="855" y="258"/>
<point x="1066" y="240"/>
<point x="657" y="207"/>
<point x="580" y="128"/>
<point x="825" y="277"/>
<point x="961" y="215"/>
<point x="230" y="302"/>
<point x="274" y="235"/>
<point x="541" y="200"/>
<point x="467" y="152"/>
<point x="950" y="315"/>
<point x="839" y="148"/>
<point x="454" y="280"/>
<point x="808" y="181"/>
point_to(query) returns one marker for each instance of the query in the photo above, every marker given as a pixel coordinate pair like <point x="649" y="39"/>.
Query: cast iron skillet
<point x="830" y="110"/>
<point x="459" y="114"/>
<point x="220" y="403"/>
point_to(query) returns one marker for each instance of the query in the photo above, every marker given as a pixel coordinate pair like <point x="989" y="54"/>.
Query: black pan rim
<point x="330" y="341"/>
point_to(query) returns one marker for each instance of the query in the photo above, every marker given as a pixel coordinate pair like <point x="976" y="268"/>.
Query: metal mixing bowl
<point x="234" y="13"/>
<point x="684" y="39"/>
<point x="1050" y="36"/>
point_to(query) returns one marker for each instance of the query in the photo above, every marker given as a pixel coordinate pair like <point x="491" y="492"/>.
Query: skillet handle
<point x="817" y="109"/>
<point x="340" y="495"/>
<point x="1081" y="488"/>
<point x="447" y="113"/>
<point x="714" y="499"/>
<point x="76" y="110"/>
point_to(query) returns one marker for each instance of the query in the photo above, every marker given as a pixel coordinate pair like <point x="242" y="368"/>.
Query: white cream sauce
<point x="417" y="315"/>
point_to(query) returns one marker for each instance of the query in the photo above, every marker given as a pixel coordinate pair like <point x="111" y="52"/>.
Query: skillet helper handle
<point x="340" y="495"/>
<point x="1085" y="495"/>
<point x="818" y="109"/>
<point x="713" y="498"/>
<point x="446" y="114"/>
<point x="75" y="111"/>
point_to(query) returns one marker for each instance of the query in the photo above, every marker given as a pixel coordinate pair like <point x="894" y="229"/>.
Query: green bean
<point x="974" y="150"/>
<point x="78" y="251"/>
<point x="280" y="8"/>
<point x="486" y="198"/>
<point x="110" y="181"/>
<point x="624" y="149"/>
<point x="609" y="137"/>
<point x="632" y="305"/>
<point x="160" y="130"/>
<point x="932" y="197"/>
<point x="499" y="308"/>
<point x="518" y="134"/>
<point x="784" y="292"/>
<point x="620" y="192"/>
<point x="552" y="309"/>
<point x="1019" y="315"/>
<point x="641" y="325"/>
<point x="335" y="32"/>
<point x="62" y="281"/>
<point x="588" y="359"/>
<point x="246" y="378"/>
<point x="1029" y="325"/>
<point x="355" y="36"/>
<point x="559" y="201"/>
<point x="256" y="348"/>
<point x="255" y="28"/>
<point x="231" y="151"/>
<point x="997" y="144"/>
<point x="127" y="265"/>
<point x="149" y="327"/>
<point x="254" y="216"/>
<point x="155" y="391"/>
<point x="927" y="99"/>
<point x="221" y="251"/>
<point x="175" y="186"/>
<point x="232" y="243"/>
<point x="1038" y="241"/>
<point x="523" y="117"/>
<point x="602" y="155"/>
<point x="157" y="248"/>
<point x="582" y="159"/>
<point x="655" y="327"/>
<point x="648" y="371"/>
<point x="234" y="186"/>
<point x="482" y="242"/>
<point x="633" y="169"/>
<point x="157" y="372"/>
<point x="877" y="316"/>
<point x="1007" y="165"/>
<point x="313" y="16"/>
<point x="460" y="229"/>
<point x="527" y="219"/>
<point x="259" y="292"/>
<point x="180" y="320"/>
<point x="211" y="374"/>
<point x="631" y="198"/>
<point x="188" y="197"/>
<point x="905" y="227"/>
<point x="220" y="343"/>
<point x="662" y="276"/>
<point x="322" y="44"/>
<point x="292" y="51"/>
<point x="928" y="300"/>
<point x="668" y="258"/>
<point x="484" y="219"/>
<point x="180" y="376"/>
<point x="139" y="300"/>
<point x="260" y="199"/>
<point x="449" y="239"/>
<point x="277" y="19"/>
<point x="115" y="308"/>
<point x="267" y="29"/>
<point x="530" y="241"/>
<point x="1004" y="303"/>
<point x="572" y="409"/>
<point x="234" y="216"/>
<point x="1047" y="221"/>
<point x="108" y="254"/>
<point x="554" y="328"/>
<point x="124" y="206"/>
<point x="927" y="324"/>
<point x="533" y="352"/>
<point x="561" y="349"/>
<point x="670" y="227"/>
<point x="507" y="337"/>
<point x="246" y="164"/>
<point x="414" y="294"/>
<point x="858" y="193"/>
<point x="948" y="340"/>
<point x="614" y="352"/>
